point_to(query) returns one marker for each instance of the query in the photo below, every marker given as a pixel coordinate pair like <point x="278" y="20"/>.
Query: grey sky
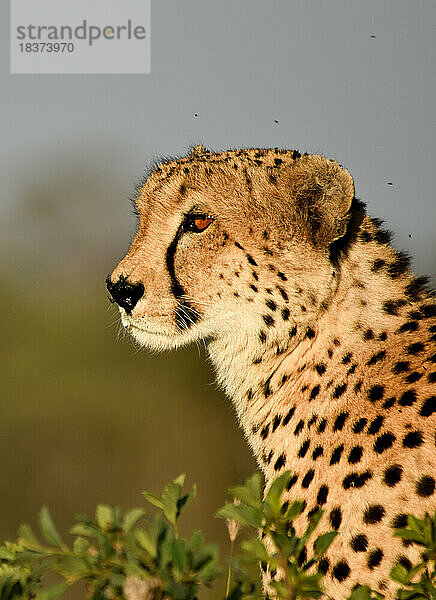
<point x="76" y="143"/>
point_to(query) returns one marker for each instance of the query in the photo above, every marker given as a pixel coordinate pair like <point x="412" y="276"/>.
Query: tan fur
<point x="309" y="315"/>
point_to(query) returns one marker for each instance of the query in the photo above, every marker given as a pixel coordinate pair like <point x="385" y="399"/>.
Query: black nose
<point x="124" y="293"/>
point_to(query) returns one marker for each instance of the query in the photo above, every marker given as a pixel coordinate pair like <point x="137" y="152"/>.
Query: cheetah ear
<point x="323" y="192"/>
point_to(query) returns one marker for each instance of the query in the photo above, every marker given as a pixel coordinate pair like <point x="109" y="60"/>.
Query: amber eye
<point x="197" y="223"/>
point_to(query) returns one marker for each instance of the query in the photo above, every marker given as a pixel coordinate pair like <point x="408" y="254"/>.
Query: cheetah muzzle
<point x="318" y="332"/>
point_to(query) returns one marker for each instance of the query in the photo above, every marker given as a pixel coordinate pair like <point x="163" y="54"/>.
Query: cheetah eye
<point x="197" y="223"/>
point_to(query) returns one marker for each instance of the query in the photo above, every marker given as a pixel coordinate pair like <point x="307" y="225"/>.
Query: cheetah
<point x="318" y="332"/>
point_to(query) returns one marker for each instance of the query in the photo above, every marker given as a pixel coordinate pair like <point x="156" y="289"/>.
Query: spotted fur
<point x="318" y="331"/>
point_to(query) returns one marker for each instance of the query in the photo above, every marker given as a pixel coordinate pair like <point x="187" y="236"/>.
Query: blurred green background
<point x="85" y="416"/>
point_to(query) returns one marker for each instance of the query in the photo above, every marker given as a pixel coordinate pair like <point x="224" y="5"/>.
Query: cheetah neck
<point x="373" y="298"/>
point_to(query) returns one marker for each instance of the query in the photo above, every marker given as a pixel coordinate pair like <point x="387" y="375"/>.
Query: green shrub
<point x="134" y="555"/>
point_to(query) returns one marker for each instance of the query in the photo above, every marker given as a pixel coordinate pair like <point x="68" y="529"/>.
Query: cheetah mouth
<point x="146" y="330"/>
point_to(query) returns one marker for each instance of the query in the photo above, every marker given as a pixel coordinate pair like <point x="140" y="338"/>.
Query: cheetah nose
<point x="124" y="293"/>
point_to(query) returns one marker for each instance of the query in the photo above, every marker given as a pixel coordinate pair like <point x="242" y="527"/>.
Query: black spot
<point x="346" y="359"/>
<point x="323" y="565"/>
<point x="376" y="424"/>
<point x="267" y="251"/>
<point x="283" y="293"/>
<point x="428" y="310"/>
<point x="271" y="305"/>
<point x="359" y="425"/>
<point x="408" y="398"/>
<point x="416" y="288"/>
<point x="255" y="275"/>
<point x="355" y="455"/>
<point x="310" y="333"/>
<point x="352" y="369"/>
<point x="357" y="387"/>
<point x="399" y="266"/>
<point x="377" y="357"/>
<point x="265" y="235"/>
<point x="317" y="452"/>
<point x="292" y="482"/>
<point x="392" y="475"/>
<point x="266" y="387"/>
<point x="250" y="394"/>
<point x="404" y="562"/>
<point x="336" y="454"/>
<point x="391" y="307"/>
<point x="432" y="377"/>
<point x="264" y="432"/>
<point x="383" y="336"/>
<point x="359" y="543"/>
<point x="276" y="422"/>
<point x="365" y="236"/>
<point x="356" y="480"/>
<point x="303" y="449"/>
<point x="322" y="495"/>
<point x="285" y="314"/>
<point x="413" y="439"/>
<point x="289" y="416"/>
<point x="368" y="334"/>
<point x="238" y="245"/>
<point x="257" y="361"/>
<point x="415" y="348"/>
<point x="307" y="478"/>
<point x="280" y="462"/>
<point x="384" y="442"/>
<point x="341" y="571"/>
<point x="236" y="294"/>
<point x="262" y="337"/>
<point x="284" y="379"/>
<point x="408" y="326"/>
<point x="320" y="369"/>
<point x="278" y="161"/>
<point x="374" y="558"/>
<point x="339" y="390"/>
<point x="377" y="265"/>
<point x="302" y="557"/>
<point x="282" y="276"/>
<point x="336" y="342"/>
<point x="413" y="377"/>
<point x="330" y="353"/>
<point x="253" y="287"/>
<point x="312" y="420"/>
<point x="399" y="521"/>
<point x="400" y="367"/>
<point x="376" y="392"/>
<point x="340" y="421"/>
<point x="428" y="407"/>
<point x="335" y="517"/>
<point x="268" y="320"/>
<point x="315" y="391"/>
<point x="251" y="260"/>
<point x="322" y="425"/>
<point x="292" y="331"/>
<point x="373" y="514"/>
<point x="299" y="427"/>
<point x="382" y="236"/>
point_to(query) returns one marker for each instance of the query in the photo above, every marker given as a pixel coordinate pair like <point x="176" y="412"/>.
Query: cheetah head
<point x="232" y="244"/>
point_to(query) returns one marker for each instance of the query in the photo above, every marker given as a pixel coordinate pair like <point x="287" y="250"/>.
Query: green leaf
<point x="82" y="529"/>
<point x="6" y="554"/>
<point x="131" y="517"/>
<point x="53" y="592"/>
<point x="26" y="534"/>
<point x="251" y="492"/>
<point x="179" y="555"/>
<point x="294" y="510"/>
<point x="256" y="549"/>
<point x="104" y="516"/>
<point x="170" y="498"/>
<point x="48" y="529"/>
<point x="241" y="513"/>
<point x="400" y="574"/>
<point x="80" y="545"/>
<point x="323" y="542"/>
<point x="146" y="541"/>
<point x="273" y="495"/>
<point x="153" y="499"/>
